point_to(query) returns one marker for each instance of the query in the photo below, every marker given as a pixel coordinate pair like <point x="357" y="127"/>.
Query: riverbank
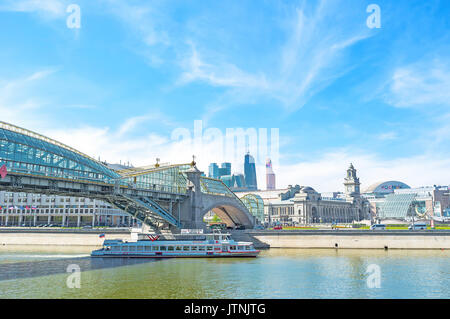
<point x="60" y="237"/>
<point x="354" y="239"/>
<point x="341" y="239"/>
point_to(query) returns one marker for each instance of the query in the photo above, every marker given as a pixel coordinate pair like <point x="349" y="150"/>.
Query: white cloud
<point x="387" y="136"/>
<point x="219" y="73"/>
<point x="132" y="122"/>
<point x="16" y="101"/>
<point x="424" y="83"/>
<point x="327" y="173"/>
<point x="49" y="8"/>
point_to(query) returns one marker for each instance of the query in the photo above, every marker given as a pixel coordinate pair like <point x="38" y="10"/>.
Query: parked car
<point x="278" y="227"/>
<point x="418" y="226"/>
<point x="239" y="227"/>
<point x="260" y="227"/>
<point x="378" y="227"/>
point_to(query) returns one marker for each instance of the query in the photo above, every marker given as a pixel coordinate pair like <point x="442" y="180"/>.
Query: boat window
<point x="148" y="248"/>
<point x="186" y="248"/>
<point x="201" y="248"/>
<point x="154" y="248"/>
<point x="209" y="248"/>
<point x="170" y="248"/>
<point x="216" y="248"/>
<point x="232" y="247"/>
<point x="240" y="247"/>
<point x="194" y="248"/>
<point x="124" y="248"/>
<point x="247" y="247"/>
<point x="163" y="248"/>
<point x="140" y="248"/>
<point x="132" y="248"/>
<point x="228" y="237"/>
<point x="251" y="247"/>
<point x="178" y="248"/>
<point x="216" y="237"/>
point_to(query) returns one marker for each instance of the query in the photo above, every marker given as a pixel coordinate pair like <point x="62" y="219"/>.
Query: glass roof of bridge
<point x="29" y="152"/>
<point x="215" y="186"/>
<point x="169" y="178"/>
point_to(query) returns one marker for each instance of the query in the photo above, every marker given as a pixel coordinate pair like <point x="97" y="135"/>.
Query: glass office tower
<point x="250" y="172"/>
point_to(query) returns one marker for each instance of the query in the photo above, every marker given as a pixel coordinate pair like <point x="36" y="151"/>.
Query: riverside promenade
<point x="335" y="239"/>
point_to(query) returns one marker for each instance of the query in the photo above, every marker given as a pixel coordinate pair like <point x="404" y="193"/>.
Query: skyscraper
<point x="270" y="175"/>
<point x="213" y="170"/>
<point x="250" y="172"/>
<point x="225" y="169"/>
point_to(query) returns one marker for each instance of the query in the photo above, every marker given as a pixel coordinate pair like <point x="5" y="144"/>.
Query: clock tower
<point x="351" y="183"/>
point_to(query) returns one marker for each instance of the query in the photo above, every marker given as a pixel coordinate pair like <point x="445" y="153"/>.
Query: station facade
<point x="302" y="205"/>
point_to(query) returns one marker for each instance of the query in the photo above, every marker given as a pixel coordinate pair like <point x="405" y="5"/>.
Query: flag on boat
<point x="102" y="236"/>
<point x="153" y="237"/>
<point x="3" y="171"/>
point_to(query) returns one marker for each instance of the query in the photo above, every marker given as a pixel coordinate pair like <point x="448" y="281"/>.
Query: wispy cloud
<point x="17" y="101"/>
<point x="154" y="115"/>
<point x="424" y="83"/>
<point x="327" y="172"/>
<point x="310" y="59"/>
<point x="47" y="8"/>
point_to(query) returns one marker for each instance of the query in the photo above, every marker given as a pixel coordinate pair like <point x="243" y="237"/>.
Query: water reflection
<point x="18" y="270"/>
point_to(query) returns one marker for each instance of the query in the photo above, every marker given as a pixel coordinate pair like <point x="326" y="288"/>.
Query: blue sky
<point x="338" y="91"/>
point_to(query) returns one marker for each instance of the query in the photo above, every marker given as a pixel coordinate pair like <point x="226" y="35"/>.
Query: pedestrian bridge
<point x="158" y="195"/>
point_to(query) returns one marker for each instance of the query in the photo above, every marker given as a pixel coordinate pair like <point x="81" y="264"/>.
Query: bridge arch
<point x="230" y="212"/>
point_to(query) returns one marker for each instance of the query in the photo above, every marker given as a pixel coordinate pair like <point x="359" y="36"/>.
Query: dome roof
<point x="307" y="189"/>
<point x="385" y="187"/>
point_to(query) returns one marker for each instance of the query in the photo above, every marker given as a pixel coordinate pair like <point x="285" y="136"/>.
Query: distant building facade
<point x="303" y="205"/>
<point x="395" y="200"/>
<point x="25" y="209"/>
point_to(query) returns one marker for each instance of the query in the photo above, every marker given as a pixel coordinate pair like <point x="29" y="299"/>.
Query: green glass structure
<point x="255" y="206"/>
<point x="397" y="206"/>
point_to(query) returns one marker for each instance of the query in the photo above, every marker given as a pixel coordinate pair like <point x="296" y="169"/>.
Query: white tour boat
<point x="187" y="244"/>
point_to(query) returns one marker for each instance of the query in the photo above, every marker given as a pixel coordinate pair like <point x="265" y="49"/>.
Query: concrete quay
<point x="262" y="239"/>
<point x="353" y="239"/>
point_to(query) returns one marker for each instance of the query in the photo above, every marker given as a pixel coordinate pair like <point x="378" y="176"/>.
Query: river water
<point x="41" y="272"/>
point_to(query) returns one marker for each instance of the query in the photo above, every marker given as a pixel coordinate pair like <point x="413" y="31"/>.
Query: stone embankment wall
<point x="60" y="237"/>
<point x="354" y="239"/>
